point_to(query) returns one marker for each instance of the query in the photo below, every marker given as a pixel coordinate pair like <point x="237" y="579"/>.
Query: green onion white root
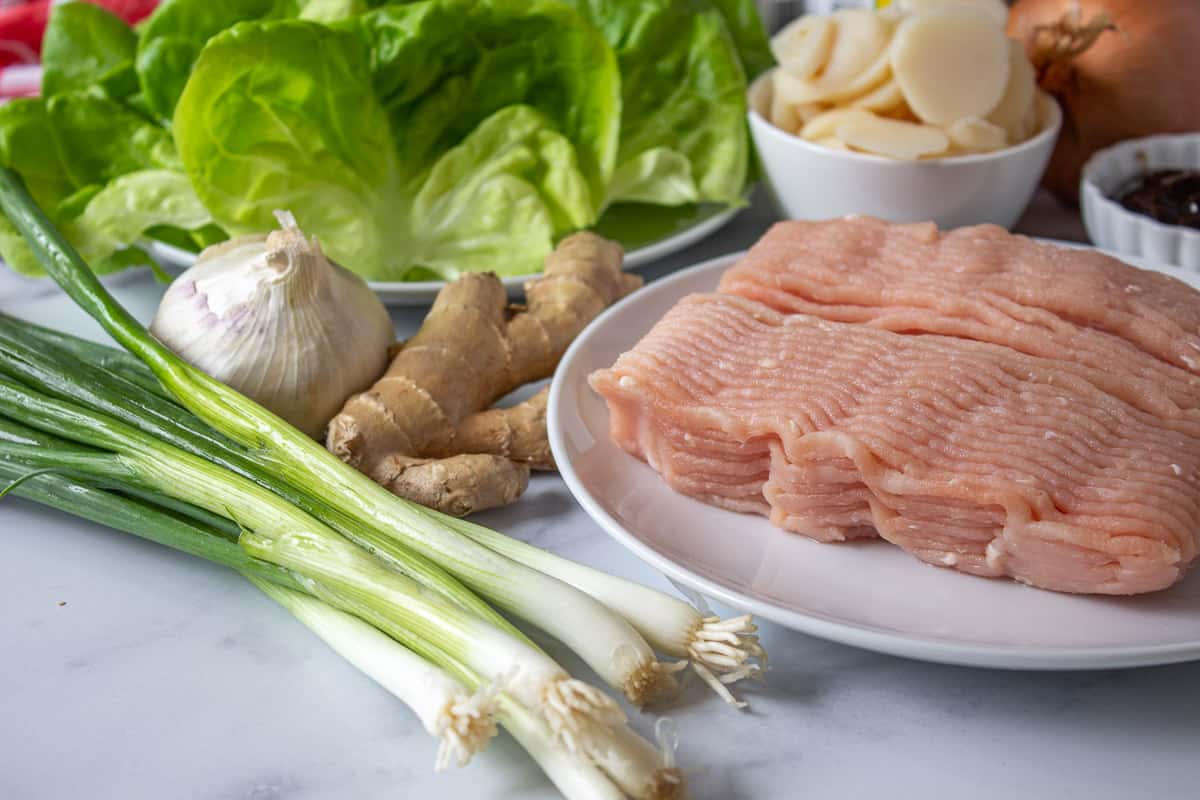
<point x="577" y="713"/>
<point x="719" y="651"/>
<point x="461" y="720"/>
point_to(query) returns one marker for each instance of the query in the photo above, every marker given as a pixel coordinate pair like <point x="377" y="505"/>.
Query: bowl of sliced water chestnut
<point x="920" y="111"/>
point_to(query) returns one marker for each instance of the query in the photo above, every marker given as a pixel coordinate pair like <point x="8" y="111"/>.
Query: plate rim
<point x="419" y="292"/>
<point x="914" y="646"/>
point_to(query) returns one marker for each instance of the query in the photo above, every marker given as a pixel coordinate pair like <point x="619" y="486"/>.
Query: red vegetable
<point x="22" y="25"/>
<point x="132" y="11"/>
<point x="1121" y="69"/>
<point x="21" y="29"/>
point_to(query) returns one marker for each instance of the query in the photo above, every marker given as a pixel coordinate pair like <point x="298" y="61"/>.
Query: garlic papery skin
<point x="272" y="317"/>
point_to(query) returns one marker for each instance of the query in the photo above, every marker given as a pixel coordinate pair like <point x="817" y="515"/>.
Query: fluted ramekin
<point x="1114" y="227"/>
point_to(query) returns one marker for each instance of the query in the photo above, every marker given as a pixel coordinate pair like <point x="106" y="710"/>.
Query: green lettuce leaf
<point x="120" y="213"/>
<point x="331" y="10"/>
<point x="637" y="225"/>
<point x="27" y="139"/>
<point x="754" y="49"/>
<point x="126" y="258"/>
<point x="749" y="34"/>
<point x="74" y="204"/>
<point x="99" y="139"/>
<point x="173" y="36"/>
<point x="282" y="115"/>
<point x="443" y="66"/>
<point x="68" y="149"/>
<point x="77" y="140"/>
<point x="84" y="46"/>
<point x="683" y="128"/>
<point x="661" y="175"/>
<point x="192" y="241"/>
<point x="498" y="201"/>
<point x="28" y="143"/>
<point x="285" y="114"/>
<point x="14" y="251"/>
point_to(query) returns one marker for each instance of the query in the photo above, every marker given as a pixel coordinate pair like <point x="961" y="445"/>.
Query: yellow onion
<point x="1121" y="69"/>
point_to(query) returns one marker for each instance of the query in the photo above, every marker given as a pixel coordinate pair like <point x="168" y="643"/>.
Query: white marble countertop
<point x="129" y="671"/>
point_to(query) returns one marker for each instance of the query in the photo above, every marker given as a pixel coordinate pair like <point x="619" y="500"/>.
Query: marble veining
<point x="163" y="677"/>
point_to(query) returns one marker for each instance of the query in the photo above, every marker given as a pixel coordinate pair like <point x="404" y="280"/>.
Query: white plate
<point x="411" y="293"/>
<point x="868" y="594"/>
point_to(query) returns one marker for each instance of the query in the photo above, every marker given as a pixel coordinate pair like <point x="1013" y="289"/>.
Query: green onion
<point x="641" y="770"/>
<point x="605" y="640"/>
<point x="575" y="777"/>
<point x="278" y="532"/>
<point x="719" y="650"/>
<point x="138" y="517"/>
<point x="631" y="762"/>
<point x="108" y="359"/>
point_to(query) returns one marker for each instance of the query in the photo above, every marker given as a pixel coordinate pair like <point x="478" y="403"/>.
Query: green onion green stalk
<point x="107" y="359"/>
<point x="74" y="494"/>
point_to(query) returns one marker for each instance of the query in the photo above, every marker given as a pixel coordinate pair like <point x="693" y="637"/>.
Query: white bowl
<point x="810" y="181"/>
<point x="1114" y="227"/>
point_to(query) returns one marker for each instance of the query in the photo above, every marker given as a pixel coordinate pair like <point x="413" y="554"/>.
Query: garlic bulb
<point x="272" y="317"/>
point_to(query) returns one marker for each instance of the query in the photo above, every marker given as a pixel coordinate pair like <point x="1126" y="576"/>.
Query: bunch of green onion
<point x="143" y="442"/>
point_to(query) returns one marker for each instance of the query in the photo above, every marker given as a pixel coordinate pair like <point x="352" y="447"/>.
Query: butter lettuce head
<point x="405" y="158"/>
<point x="419" y="140"/>
<point x="104" y="172"/>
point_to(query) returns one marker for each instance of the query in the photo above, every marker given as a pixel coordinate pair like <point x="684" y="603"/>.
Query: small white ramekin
<point x="1114" y="227"/>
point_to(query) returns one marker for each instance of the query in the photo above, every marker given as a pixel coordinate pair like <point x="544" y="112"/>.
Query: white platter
<point x="867" y="594"/>
<point x="409" y="293"/>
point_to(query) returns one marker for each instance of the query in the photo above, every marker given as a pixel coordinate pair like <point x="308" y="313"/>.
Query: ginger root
<point x="426" y="429"/>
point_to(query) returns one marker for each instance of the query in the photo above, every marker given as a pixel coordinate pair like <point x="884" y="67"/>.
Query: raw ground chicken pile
<point x="986" y="402"/>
